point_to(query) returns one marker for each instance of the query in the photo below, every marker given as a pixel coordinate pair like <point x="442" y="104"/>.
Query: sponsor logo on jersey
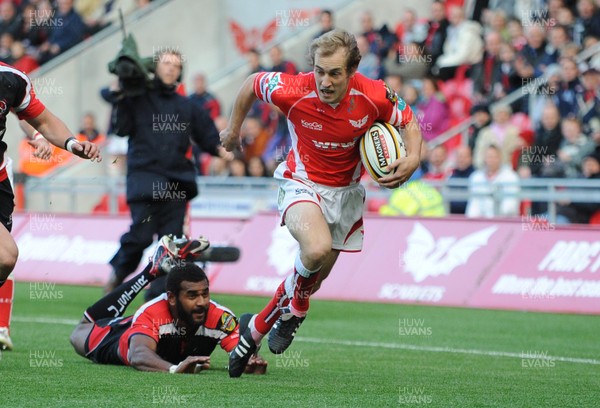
<point x="359" y="123"/>
<point x="333" y="145"/>
<point x="427" y="257"/>
<point x="401" y="104"/>
<point x="228" y="323"/>
<point x="311" y="125"/>
<point x="273" y="82"/>
<point x="390" y="95"/>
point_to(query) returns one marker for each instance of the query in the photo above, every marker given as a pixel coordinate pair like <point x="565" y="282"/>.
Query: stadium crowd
<point x="32" y="32"/>
<point x="456" y="65"/>
<point x="460" y="63"/>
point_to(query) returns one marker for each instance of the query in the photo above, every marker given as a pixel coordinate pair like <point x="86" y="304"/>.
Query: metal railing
<point x="263" y="191"/>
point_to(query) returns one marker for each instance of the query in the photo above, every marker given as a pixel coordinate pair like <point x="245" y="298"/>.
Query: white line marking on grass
<point x="45" y="320"/>
<point x="399" y="346"/>
<point x="444" y="350"/>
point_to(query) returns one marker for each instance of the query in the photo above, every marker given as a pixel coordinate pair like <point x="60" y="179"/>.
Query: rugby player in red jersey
<point x="320" y="198"/>
<point x="18" y="96"/>
<point x="175" y="332"/>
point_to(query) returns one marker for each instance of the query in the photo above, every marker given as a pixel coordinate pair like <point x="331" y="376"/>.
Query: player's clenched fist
<point x="230" y="140"/>
<point x="87" y="150"/>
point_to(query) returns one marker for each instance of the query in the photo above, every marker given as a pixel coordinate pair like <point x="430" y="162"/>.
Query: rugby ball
<point x="380" y="146"/>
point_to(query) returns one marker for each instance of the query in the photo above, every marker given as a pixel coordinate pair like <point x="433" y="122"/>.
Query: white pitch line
<point x="447" y="350"/>
<point x="45" y="320"/>
<point x="398" y="346"/>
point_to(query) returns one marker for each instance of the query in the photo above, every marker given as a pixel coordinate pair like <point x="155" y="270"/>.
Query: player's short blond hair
<point x="330" y="42"/>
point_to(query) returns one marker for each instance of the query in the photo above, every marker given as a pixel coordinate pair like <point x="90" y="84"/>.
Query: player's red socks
<point x="303" y="283"/>
<point x="262" y="322"/>
<point x="6" y="300"/>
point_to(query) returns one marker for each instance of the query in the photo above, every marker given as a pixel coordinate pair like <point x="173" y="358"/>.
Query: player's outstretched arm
<point x="143" y="357"/>
<point x="406" y="166"/>
<point x="53" y="129"/>
<point x="230" y="136"/>
<point x="43" y="150"/>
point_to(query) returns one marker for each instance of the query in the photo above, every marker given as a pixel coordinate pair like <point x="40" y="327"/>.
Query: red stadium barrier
<point x="451" y="261"/>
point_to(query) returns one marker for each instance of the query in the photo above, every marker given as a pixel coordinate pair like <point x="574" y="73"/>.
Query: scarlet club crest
<point x="3" y="107"/>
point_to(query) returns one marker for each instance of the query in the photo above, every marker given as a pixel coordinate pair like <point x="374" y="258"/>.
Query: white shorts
<point x="342" y="207"/>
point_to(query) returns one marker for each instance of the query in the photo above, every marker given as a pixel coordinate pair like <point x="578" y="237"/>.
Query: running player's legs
<point x="307" y="225"/>
<point x="8" y="247"/>
<point x="326" y="268"/>
<point x="8" y="253"/>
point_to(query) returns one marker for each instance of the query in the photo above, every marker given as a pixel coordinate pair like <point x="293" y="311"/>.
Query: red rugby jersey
<point x="154" y="320"/>
<point x="325" y="139"/>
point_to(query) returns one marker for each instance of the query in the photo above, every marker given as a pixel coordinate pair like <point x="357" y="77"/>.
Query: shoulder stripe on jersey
<point x="312" y="94"/>
<point x="220" y="306"/>
<point x="147" y="305"/>
<point x="25" y="102"/>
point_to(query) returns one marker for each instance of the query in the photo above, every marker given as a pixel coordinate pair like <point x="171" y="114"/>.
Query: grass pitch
<point x="345" y="355"/>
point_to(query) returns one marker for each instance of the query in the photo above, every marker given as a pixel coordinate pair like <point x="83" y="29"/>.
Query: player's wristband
<point x="37" y="135"/>
<point x="69" y="144"/>
<point x="172" y="369"/>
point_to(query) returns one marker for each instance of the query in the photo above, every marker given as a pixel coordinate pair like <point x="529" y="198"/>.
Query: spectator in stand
<point x="463" y="170"/>
<point x="534" y="56"/>
<point x="559" y="38"/>
<point x="368" y="30"/>
<point x="205" y="99"/>
<point x="493" y="179"/>
<point x="590" y="42"/>
<point x="481" y="120"/>
<point x="280" y="64"/>
<point x="570" y="88"/>
<point x="10" y="20"/>
<point x="410" y="29"/>
<point x="487" y="73"/>
<point x="33" y="32"/>
<point x="513" y="73"/>
<point x="369" y="63"/>
<point x="438" y="29"/>
<point x="548" y="137"/>
<point x="65" y="35"/>
<point x="437" y="168"/>
<point x="6" y="42"/>
<point x="581" y="213"/>
<point x="588" y="21"/>
<point x="254" y="138"/>
<point x="395" y="82"/>
<point x="589" y="102"/>
<point x="257" y="168"/>
<point x="574" y="147"/>
<point x="463" y="45"/>
<point x="237" y="167"/>
<point x="410" y="63"/>
<point x="253" y="58"/>
<point x="498" y="24"/>
<point x="517" y="36"/>
<point x="411" y="96"/>
<point x="89" y="131"/>
<point x="434" y="109"/>
<point x="501" y="133"/>
<point x="21" y="60"/>
<point x="326" y="23"/>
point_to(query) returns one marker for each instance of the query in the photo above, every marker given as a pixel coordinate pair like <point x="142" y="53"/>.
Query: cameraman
<point x="160" y="174"/>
